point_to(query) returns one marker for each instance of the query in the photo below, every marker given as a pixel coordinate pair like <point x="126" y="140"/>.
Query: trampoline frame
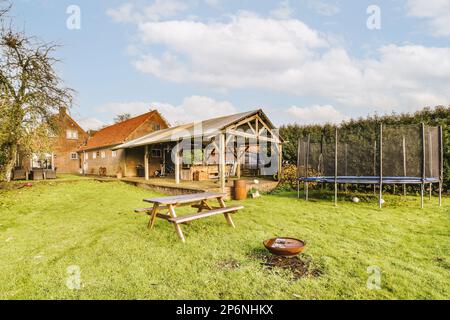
<point x="376" y="180"/>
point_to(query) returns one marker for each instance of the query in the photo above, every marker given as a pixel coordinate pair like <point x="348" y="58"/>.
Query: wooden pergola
<point x="234" y="134"/>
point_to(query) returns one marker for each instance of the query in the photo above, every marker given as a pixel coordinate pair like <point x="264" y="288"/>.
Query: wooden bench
<point x="204" y="214"/>
<point x="149" y="210"/>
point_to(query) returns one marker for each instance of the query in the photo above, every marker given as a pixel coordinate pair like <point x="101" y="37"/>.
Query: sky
<point x="301" y="61"/>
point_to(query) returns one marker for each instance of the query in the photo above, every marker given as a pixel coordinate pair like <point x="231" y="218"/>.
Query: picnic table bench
<point x="195" y="200"/>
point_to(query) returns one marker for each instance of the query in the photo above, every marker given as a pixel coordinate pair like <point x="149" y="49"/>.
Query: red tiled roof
<point x="116" y="133"/>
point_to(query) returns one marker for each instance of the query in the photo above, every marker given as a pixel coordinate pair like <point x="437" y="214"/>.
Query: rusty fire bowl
<point x="286" y="247"/>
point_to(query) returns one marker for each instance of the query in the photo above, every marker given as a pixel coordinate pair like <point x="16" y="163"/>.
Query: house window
<point x="156" y="126"/>
<point x="72" y="134"/>
<point x="94" y="155"/>
<point x="73" y="156"/>
<point x="114" y="153"/>
<point x="103" y="154"/>
<point x="156" y="153"/>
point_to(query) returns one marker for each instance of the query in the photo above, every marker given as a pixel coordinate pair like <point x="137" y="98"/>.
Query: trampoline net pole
<point x="430" y="161"/>
<point x="374" y="164"/>
<point x="307" y="165"/>
<point x="404" y="163"/>
<point x="335" y="164"/>
<point x="380" y="195"/>
<point x="298" y="167"/>
<point x="346" y="164"/>
<point x="441" y="164"/>
<point x="423" y="166"/>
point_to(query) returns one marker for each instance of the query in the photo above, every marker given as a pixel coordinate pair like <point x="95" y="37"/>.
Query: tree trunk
<point x="10" y="162"/>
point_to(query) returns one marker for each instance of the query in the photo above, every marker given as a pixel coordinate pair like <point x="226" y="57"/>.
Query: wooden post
<point x="163" y="169"/>
<point x="280" y="161"/>
<point x="380" y="194"/>
<point x="237" y="149"/>
<point x="257" y="146"/>
<point x="335" y="165"/>
<point x="307" y="167"/>
<point x="404" y="163"/>
<point x="177" y="163"/>
<point x="423" y="166"/>
<point x="146" y="162"/>
<point x="84" y="163"/>
<point x="441" y="164"/>
<point x="222" y="161"/>
<point x="124" y="162"/>
<point x="238" y="168"/>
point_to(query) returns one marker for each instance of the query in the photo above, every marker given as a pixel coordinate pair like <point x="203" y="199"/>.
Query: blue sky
<point x="304" y="61"/>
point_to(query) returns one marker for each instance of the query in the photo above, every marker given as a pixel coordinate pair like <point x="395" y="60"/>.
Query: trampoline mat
<point x="370" y="180"/>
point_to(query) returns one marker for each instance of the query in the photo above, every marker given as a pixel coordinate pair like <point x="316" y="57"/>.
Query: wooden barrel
<point x="240" y="190"/>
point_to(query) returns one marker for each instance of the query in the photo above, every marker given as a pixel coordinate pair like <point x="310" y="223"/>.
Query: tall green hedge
<point x="431" y="116"/>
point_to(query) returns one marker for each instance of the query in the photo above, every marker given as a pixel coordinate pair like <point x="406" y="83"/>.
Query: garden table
<point x="196" y="200"/>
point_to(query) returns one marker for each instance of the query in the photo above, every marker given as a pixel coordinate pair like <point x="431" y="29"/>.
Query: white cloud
<point x="284" y="10"/>
<point x="212" y="3"/>
<point x="154" y="12"/>
<point x="286" y="55"/>
<point x="90" y="123"/>
<point x="193" y="108"/>
<point x="324" y="8"/>
<point x="124" y="13"/>
<point x="436" y="11"/>
<point x="133" y="107"/>
<point x="316" y="114"/>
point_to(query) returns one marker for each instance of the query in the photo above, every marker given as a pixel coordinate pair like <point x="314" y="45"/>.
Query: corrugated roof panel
<point x="208" y="127"/>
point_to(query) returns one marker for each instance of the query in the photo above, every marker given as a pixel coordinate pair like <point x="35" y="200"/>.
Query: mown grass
<point x="49" y="227"/>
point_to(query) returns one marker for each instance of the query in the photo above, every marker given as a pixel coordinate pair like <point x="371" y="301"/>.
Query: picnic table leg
<point x="204" y="204"/>
<point x="151" y="223"/>
<point x="177" y="226"/>
<point x="227" y="214"/>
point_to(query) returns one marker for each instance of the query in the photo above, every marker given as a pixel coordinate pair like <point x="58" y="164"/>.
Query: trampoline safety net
<point x="404" y="151"/>
<point x="384" y="154"/>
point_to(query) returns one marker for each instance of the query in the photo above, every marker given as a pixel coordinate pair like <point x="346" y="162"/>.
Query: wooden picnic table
<point x="196" y="200"/>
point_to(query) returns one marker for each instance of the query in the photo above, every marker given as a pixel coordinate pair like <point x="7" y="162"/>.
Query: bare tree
<point x="122" y="117"/>
<point x="30" y="94"/>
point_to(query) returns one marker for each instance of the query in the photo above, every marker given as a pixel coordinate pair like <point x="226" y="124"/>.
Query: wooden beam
<point x="177" y="163"/>
<point x="124" y="162"/>
<point x="280" y="161"/>
<point x="244" y="121"/>
<point x="222" y="161"/>
<point x="146" y="162"/>
<point x="251" y="136"/>
<point x="257" y="146"/>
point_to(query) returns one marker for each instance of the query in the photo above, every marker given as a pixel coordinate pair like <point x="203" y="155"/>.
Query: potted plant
<point x="254" y="192"/>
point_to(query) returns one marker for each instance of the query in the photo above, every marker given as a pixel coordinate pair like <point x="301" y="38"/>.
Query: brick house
<point x="66" y="145"/>
<point x="99" y="158"/>
<point x="64" y="148"/>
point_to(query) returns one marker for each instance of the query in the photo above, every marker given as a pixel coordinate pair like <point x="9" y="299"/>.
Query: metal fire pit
<point x="286" y="247"/>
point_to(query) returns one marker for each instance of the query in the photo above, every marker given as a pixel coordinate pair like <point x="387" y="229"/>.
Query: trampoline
<point x="370" y="180"/>
<point x="375" y="155"/>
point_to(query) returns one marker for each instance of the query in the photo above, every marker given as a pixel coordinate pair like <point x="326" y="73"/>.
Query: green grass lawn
<point x="80" y="222"/>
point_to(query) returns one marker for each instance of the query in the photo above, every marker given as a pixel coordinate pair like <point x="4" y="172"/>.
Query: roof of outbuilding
<point x="206" y="128"/>
<point x="116" y="133"/>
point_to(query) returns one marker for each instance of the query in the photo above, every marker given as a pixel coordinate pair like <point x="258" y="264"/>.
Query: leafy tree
<point x="31" y="93"/>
